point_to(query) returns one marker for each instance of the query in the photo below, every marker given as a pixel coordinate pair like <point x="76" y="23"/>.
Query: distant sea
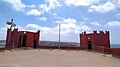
<point x="115" y="45"/>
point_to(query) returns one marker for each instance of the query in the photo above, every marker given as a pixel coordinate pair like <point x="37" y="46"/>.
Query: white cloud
<point x="17" y="4"/>
<point x="117" y="2"/>
<point x="47" y="33"/>
<point x="31" y="6"/>
<point x="51" y="5"/>
<point x="69" y="30"/>
<point x="80" y="2"/>
<point x="34" y="12"/>
<point x="35" y="26"/>
<point x="85" y="27"/>
<point x="108" y="6"/>
<point x="85" y="19"/>
<point x="96" y="24"/>
<point x="69" y="20"/>
<point x="44" y="7"/>
<point x="43" y="18"/>
<point x="114" y="23"/>
<point x="70" y="25"/>
<point x="3" y="32"/>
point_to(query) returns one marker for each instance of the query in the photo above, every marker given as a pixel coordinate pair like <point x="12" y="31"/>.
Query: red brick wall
<point x="8" y="38"/>
<point x="30" y="39"/>
<point x="100" y="39"/>
<point x="115" y="52"/>
<point x="2" y="49"/>
<point x="13" y="38"/>
<point x="102" y="49"/>
<point x="37" y="37"/>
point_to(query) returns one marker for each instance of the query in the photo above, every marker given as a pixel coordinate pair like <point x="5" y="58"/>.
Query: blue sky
<point x="75" y="16"/>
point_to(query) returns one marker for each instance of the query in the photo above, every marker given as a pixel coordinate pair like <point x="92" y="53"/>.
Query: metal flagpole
<point x="59" y="37"/>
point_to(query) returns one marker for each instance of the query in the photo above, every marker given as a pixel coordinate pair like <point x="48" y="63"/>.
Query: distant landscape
<point x="55" y="43"/>
<point x="48" y="43"/>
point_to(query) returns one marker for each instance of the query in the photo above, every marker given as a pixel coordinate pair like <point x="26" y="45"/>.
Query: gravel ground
<point x="56" y="58"/>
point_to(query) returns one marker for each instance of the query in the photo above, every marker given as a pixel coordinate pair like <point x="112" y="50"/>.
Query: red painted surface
<point x="17" y="39"/>
<point x="115" y="52"/>
<point x="95" y="41"/>
<point x="102" y="49"/>
<point x="2" y="49"/>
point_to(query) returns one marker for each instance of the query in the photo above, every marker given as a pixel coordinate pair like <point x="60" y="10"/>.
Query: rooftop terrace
<point x="56" y="58"/>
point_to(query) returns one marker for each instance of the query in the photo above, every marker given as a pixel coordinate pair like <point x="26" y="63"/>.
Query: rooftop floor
<point x="56" y="58"/>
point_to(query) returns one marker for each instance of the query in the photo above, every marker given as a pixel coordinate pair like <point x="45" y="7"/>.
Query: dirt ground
<point x="56" y="58"/>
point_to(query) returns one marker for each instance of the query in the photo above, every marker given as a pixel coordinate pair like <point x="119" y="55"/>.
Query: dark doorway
<point x="22" y="41"/>
<point x="34" y="43"/>
<point x="89" y="45"/>
<point x="19" y="41"/>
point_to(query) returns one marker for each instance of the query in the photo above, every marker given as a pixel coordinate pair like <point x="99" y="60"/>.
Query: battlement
<point x="95" y="32"/>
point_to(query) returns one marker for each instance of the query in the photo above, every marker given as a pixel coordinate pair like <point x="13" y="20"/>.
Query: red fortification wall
<point x="17" y="39"/>
<point x="95" y="41"/>
<point x="115" y="52"/>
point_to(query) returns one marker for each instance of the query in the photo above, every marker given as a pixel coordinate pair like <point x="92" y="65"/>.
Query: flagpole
<point x="59" y="37"/>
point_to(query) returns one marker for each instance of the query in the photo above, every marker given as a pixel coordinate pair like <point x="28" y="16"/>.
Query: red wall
<point x="37" y="37"/>
<point x="100" y="39"/>
<point x="30" y="39"/>
<point x="2" y="49"/>
<point x="12" y="39"/>
<point x="102" y="49"/>
<point x="115" y="52"/>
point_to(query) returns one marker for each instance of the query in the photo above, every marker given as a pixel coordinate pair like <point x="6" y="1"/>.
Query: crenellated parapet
<point x="95" y="32"/>
<point x="94" y="40"/>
